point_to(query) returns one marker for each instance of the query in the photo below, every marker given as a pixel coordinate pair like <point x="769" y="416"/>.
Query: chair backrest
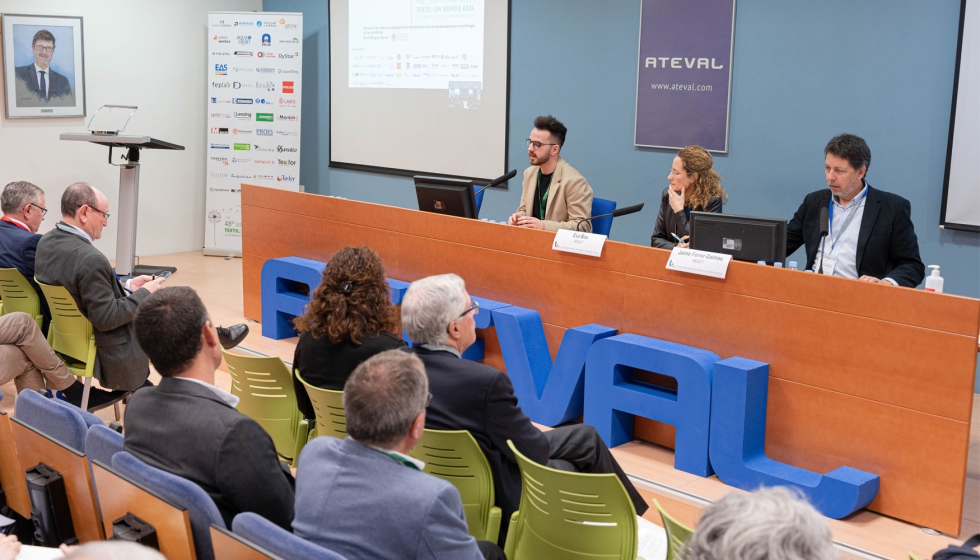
<point x="179" y="491"/>
<point x="275" y="539"/>
<point x="677" y="533"/>
<point x="331" y="420"/>
<point x="602" y="206"/>
<point x="70" y="333"/>
<point x="479" y="198"/>
<point x="570" y="515"/>
<point x="101" y="443"/>
<point x="17" y="294"/>
<point x="455" y="456"/>
<point x="265" y="387"/>
<point x="62" y="423"/>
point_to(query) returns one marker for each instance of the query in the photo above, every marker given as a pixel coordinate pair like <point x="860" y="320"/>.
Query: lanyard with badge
<point x="542" y="198"/>
<point x="829" y="263"/>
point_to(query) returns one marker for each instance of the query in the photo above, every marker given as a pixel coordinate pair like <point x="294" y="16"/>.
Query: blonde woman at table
<point x="694" y="185"/>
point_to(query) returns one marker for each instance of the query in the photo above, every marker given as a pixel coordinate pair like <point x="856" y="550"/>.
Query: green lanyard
<point x="544" y="198"/>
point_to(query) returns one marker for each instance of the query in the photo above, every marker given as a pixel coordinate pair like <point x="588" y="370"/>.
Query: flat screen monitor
<point x="453" y="197"/>
<point x="745" y="238"/>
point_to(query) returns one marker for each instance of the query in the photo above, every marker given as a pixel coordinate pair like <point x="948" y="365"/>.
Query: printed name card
<point x="571" y="241"/>
<point x="704" y="263"/>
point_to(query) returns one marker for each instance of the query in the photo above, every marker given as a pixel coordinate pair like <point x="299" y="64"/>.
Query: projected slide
<point x="417" y="44"/>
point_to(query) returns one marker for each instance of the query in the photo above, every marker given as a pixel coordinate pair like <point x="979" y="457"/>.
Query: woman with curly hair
<point x="694" y="185"/>
<point x="349" y="319"/>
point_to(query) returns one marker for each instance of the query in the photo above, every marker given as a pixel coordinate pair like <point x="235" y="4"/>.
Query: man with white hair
<point x="437" y="314"/>
<point x="768" y="524"/>
<point x="364" y="496"/>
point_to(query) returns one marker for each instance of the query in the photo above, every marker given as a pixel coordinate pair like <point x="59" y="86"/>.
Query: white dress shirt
<point x="842" y="245"/>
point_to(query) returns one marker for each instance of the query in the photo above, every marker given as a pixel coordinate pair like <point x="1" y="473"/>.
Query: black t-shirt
<point x="544" y="184"/>
<point x="327" y="365"/>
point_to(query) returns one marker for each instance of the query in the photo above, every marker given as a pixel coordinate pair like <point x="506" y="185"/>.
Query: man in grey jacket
<point x="66" y="257"/>
<point x="364" y="496"/>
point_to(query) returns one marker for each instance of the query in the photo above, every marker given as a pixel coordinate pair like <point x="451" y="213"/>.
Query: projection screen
<point x="419" y="86"/>
<point x="961" y="191"/>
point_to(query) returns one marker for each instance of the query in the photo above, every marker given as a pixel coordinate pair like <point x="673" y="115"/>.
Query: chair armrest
<point x="493" y="525"/>
<point x="510" y="545"/>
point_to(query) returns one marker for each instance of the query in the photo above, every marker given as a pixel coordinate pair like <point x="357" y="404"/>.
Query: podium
<point x="129" y="179"/>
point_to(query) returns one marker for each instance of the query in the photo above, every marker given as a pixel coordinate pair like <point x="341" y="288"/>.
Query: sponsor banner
<point x="255" y="62"/>
<point x="684" y="78"/>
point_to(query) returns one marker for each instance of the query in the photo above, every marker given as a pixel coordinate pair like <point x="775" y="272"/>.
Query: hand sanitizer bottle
<point x="934" y="282"/>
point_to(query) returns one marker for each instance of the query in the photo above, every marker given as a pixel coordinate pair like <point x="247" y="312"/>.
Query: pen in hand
<point x="679" y="240"/>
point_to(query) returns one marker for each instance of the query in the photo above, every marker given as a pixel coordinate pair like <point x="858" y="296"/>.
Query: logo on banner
<point x="219" y="85"/>
<point x="221" y="23"/>
<point x="266" y="55"/>
<point x="266" y="177"/>
<point x="219" y="146"/>
<point x="286" y="102"/>
<point x="221" y="39"/>
<point x="263" y="132"/>
<point x="217" y="130"/>
<point x="270" y="23"/>
<point x="266" y="39"/>
<point x="290" y="41"/>
<point x="218" y="175"/>
<point x="262" y="101"/>
<point x="294" y="55"/>
<point x="287" y="133"/>
<point x="219" y="53"/>
<point x="243" y="53"/>
<point x="240" y="131"/>
<point x="287" y="87"/>
<point x="287" y="162"/>
<point x="280" y="148"/>
<point x="220" y="69"/>
<point x="265" y="117"/>
<point x="239" y="176"/>
<point x="241" y="160"/>
<point x="243" y="147"/>
<point x="244" y="39"/>
<point x="241" y="69"/>
<point x="258" y="148"/>
<point x="222" y="160"/>
<point x="242" y="101"/>
<point x="243" y="115"/>
<point x="263" y="161"/>
<point x="266" y="70"/>
<point x="221" y="115"/>
<point x="286" y="179"/>
<point x="268" y="86"/>
<point x="244" y="24"/>
<point x="288" y="117"/>
<point x="281" y="71"/>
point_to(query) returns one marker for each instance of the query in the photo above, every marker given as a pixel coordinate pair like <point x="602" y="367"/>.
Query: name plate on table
<point x="571" y="241"/>
<point x="704" y="263"/>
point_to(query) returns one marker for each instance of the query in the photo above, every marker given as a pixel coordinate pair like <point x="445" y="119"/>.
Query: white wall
<point x="148" y="53"/>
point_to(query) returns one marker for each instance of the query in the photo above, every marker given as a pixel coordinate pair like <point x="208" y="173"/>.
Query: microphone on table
<point x="824" y="230"/>
<point x="615" y="213"/>
<point x="502" y="179"/>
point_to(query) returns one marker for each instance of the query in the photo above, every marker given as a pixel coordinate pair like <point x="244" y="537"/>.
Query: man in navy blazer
<point x="364" y="496"/>
<point x="23" y="207"/>
<point x="38" y="78"/>
<point x="871" y="236"/>
<point x="437" y="314"/>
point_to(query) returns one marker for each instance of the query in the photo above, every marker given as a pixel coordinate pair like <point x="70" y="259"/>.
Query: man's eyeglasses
<point x="43" y="49"/>
<point x="474" y="305"/>
<point x="537" y="145"/>
<point x="44" y="211"/>
<point x="104" y="214"/>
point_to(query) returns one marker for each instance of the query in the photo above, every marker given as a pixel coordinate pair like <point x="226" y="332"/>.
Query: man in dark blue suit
<point x="39" y="79"/>
<point x="23" y="208"/>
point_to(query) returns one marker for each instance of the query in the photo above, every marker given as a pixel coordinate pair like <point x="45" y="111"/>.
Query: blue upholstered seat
<point x="275" y="539"/>
<point x="101" y="443"/>
<point x="177" y="490"/>
<point x="58" y="420"/>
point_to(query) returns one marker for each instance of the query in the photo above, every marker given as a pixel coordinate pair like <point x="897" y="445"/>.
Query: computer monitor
<point x="446" y="196"/>
<point x="745" y="238"/>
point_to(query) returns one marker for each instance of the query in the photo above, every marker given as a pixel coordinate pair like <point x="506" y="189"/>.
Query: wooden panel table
<point x="865" y="375"/>
<point x="12" y="478"/>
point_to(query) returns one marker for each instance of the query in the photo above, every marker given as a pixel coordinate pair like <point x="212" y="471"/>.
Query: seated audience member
<point x="769" y="524"/>
<point x="364" y="496"/>
<point x="555" y="196"/>
<point x="350" y="318"/>
<point x="23" y="208"/>
<point x="871" y="236"/>
<point x="28" y="360"/>
<point x="67" y="257"/>
<point x="189" y="427"/>
<point x="437" y="313"/>
<point x="694" y="185"/>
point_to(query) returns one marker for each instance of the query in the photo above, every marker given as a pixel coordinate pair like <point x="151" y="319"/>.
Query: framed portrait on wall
<point x="43" y="66"/>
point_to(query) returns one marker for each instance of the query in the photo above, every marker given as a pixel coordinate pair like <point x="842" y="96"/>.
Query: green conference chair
<point x="677" y="533"/>
<point x="17" y="294"/>
<point x="329" y="407"/>
<point x="70" y="336"/>
<point x="570" y="516"/>
<point x="455" y="456"/>
<point x="265" y="388"/>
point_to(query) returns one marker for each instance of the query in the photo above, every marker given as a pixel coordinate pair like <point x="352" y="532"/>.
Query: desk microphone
<point x="502" y="179"/>
<point x="615" y="213"/>
<point x="824" y="230"/>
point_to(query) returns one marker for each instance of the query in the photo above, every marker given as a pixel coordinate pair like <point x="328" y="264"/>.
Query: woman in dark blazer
<point x="694" y="185"/>
<point x="350" y="318"/>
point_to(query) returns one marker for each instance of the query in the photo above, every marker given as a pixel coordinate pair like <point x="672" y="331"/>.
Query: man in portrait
<point x="38" y="85"/>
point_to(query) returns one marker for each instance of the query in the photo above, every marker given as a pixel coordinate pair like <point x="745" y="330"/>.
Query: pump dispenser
<point x="934" y="282"/>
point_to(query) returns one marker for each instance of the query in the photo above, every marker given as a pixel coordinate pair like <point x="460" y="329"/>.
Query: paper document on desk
<point x="38" y="553"/>
<point x="652" y="540"/>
